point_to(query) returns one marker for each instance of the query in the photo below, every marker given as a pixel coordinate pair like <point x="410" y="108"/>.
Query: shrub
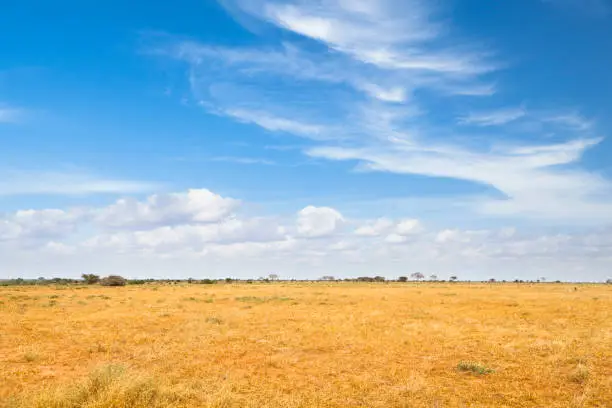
<point x="214" y="320"/>
<point x="30" y="357"/>
<point x="113" y="280"/>
<point x="136" y="281"/>
<point x="474" y="368"/>
<point x="402" y="279"/>
<point x="90" y="278"/>
<point x="208" y="281"/>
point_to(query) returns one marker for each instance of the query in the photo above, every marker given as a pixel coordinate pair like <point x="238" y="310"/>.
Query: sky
<point x="241" y="138"/>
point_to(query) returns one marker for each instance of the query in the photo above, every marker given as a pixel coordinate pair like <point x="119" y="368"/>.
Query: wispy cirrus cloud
<point x="367" y="103"/>
<point x="493" y="117"/>
<point x="19" y="182"/>
<point x="10" y="114"/>
<point x="274" y="123"/>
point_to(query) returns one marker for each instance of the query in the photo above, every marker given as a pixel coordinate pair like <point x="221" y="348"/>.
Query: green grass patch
<point x="474" y="368"/>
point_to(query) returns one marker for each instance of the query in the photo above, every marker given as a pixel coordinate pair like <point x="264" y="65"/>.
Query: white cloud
<point x="374" y="228"/>
<point x="31" y="227"/>
<point x="316" y="222"/>
<point x="408" y="227"/>
<point x="274" y="123"/>
<point x="195" y="206"/>
<point x="10" y="115"/>
<point x="533" y="187"/>
<point x="395" y="239"/>
<point x="59" y="242"/>
<point x="387" y="50"/>
<point x="572" y="120"/>
<point x="492" y="118"/>
<point x="75" y="182"/>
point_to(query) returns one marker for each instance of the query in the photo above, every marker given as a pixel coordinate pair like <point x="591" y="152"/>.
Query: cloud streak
<point x="492" y="118"/>
<point x="19" y="183"/>
<point x="10" y="115"/>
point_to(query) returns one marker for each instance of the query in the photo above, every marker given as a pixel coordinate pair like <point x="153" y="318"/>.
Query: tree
<point x="453" y="278"/>
<point x="379" y="279"/>
<point x="273" y="277"/>
<point x="433" y="277"/>
<point x="402" y="279"/>
<point x="417" y="276"/>
<point x="543" y="279"/>
<point x="609" y="281"/>
<point x="90" y="278"/>
<point x="328" y="278"/>
<point x="113" y="280"/>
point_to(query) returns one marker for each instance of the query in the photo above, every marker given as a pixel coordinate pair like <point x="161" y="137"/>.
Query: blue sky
<point x="247" y="137"/>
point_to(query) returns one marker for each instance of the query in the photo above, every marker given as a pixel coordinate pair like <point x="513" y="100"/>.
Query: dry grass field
<point x="307" y="345"/>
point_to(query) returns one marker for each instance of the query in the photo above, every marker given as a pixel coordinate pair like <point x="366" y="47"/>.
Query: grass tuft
<point x="106" y="387"/>
<point x="580" y="374"/>
<point x="30" y="357"/>
<point x="474" y="368"/>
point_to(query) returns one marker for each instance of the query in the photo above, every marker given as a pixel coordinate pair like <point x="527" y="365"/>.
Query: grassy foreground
<point x="307" y="345"/>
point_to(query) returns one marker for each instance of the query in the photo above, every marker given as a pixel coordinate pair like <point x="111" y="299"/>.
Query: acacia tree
<point x="402" y="279"/>
<point x="433" y="277"/>
<point x="453" y="278"/>
<point x="273" y="277"/>
<point x="417" y="276"/>
<point x="90" y="278"/>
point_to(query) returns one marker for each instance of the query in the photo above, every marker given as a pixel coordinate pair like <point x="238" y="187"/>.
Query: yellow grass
<point x="307" y="345"/>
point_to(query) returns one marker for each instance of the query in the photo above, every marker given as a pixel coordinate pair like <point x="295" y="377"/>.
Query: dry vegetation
<point x="306" y="345"/>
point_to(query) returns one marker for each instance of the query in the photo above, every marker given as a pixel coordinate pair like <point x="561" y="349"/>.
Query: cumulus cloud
<point x="374" y="228"/>
<point x="179" y="235"/>
<point x="28" y="227"/>
<point x="408" y="227"/>
<point x="194" y="206"/>
<point x="316" y="222"/>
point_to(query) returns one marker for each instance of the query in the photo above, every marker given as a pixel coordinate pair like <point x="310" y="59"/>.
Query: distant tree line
<point x="116" y="280"/>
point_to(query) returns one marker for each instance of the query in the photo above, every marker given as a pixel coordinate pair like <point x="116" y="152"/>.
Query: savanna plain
<point x="286" y="344"/>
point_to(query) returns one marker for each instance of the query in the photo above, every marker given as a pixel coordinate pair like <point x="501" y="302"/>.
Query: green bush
<point x="113" y="280"/>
